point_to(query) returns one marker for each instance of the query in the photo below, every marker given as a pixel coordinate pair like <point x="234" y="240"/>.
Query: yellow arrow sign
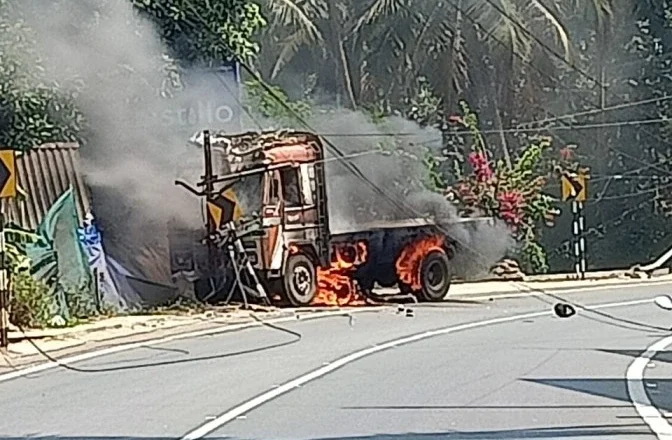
<point x="223" y="209"/>
<point x="237" y="210"/>
<point x="215" y="214"/>
<point x="574" y="187"/>
<point x="7" y="173"/>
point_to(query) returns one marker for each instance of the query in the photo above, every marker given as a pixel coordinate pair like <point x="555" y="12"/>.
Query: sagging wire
<point x="296" y="337"/>
<point x="404" y="207"/>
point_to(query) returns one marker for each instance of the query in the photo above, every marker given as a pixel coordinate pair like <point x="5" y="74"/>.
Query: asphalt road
<point x="487" y="375"/>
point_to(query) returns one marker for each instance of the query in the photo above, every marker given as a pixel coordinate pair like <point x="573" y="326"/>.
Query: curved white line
<point x="239" y="410"/>
<point x="638" y="396"/>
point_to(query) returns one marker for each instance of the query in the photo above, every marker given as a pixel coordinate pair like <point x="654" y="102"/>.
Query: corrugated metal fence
<point x="45" y="174"/>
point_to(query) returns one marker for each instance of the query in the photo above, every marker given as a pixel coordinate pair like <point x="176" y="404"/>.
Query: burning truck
<point x="270" y="190"/>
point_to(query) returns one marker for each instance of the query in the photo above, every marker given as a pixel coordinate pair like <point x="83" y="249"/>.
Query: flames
<point x="335" y="284"/>
<point x="409" y="262"/>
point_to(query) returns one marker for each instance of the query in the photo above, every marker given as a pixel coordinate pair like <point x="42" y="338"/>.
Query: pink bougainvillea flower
<point x="479" y="162"/>
<point x="456" y="119"/>
<point x="567" y="153"/>
<point x="511" y="205"/>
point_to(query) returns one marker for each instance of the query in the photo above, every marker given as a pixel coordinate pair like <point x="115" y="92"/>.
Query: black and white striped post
<point x="574" y="190"/>
<point x="579" y="239"/>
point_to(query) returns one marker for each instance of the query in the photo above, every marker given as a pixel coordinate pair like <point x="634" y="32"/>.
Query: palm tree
<point x="488" y="51"/>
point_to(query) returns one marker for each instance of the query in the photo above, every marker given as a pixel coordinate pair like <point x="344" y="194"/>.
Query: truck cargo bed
<point x="400" y="224"/>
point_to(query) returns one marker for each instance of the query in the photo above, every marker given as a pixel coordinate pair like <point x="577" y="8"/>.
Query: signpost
<point x="212" y="99"/>
<point x="223" y="209"/>
<point x="575" y="189"/>
<point x="7" y="190"/>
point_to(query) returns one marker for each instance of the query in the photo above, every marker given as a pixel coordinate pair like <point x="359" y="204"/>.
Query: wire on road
<point x="296" y="337"/>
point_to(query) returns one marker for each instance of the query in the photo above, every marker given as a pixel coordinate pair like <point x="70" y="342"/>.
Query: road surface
<point x="493" y="370"/>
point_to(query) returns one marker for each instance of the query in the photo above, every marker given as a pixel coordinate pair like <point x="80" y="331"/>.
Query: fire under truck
<point x="267" y="202"/>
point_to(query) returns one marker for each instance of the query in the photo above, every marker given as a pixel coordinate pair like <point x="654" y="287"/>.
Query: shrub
<point x="512" y="192"/>
<point x="31" y="303"/>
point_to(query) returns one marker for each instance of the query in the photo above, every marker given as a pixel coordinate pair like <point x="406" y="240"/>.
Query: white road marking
<point x="134" y="345"/>
<point x="271" y="394"/>
<point x="485" y="297"/>
<point x="637" y="391"/>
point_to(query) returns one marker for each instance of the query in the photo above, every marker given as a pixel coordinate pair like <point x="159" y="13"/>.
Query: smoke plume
<point x="138" y="141"/>
<point x="391" y="154"/>
<point x="137" y="146"/>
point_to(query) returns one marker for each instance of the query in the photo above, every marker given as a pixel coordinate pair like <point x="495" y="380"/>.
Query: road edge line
<point x="506" y="295"/>
<point x="638" y="395"/>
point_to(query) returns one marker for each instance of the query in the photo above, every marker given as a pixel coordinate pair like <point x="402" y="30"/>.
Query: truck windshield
<point x="249" y="194"/>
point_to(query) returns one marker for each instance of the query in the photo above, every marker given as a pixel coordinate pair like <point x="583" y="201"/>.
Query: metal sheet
<point x="44" y="174"/>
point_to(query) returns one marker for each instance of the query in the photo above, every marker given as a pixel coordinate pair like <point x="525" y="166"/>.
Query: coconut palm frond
<point x="289" y="47"/>
<point x="290" y="14"/>
<point x="555" y="22"/>
<point x="376" y="10"/>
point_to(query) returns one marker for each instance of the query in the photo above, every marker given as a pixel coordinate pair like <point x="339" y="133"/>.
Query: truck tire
<point x="435" y="277"/>
<point x="300" y="280"/>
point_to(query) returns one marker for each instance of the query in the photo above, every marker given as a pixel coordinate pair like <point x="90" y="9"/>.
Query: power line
<point x="518" y="130"/>
<point x="630" y="195"/>
<point x="530" y="64"/>
<point x="565" y="244"/>
<point x="404" y="207"/>
<point x="601" y="110"/>
<point x="570" y="127"/>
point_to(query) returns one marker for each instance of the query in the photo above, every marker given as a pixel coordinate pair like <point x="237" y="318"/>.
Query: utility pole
<point x="4" y="283"/>
<point x="601" y="144"/>
<point x="578" y="231"/>
<point x="209" y="186"/>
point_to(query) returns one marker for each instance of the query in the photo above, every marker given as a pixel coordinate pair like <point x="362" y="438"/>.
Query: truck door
<point x="272" y="221"/>
<point x="298" y="206"/>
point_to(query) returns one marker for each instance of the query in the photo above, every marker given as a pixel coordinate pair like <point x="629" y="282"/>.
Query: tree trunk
<point x="341" y="58"/>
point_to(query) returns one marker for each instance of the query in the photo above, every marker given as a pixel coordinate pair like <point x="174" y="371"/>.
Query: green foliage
<point x="512" y="193"/>
<point x="272" y="102"/>
<point x="32" y="109"/>
<point x="31" y="305"/>
<point x="424" y="106"/>
<point x="81" y="302"/>
<point x="15" y="240"/>
<point x="206" y="31"/>
<point x="34" y="303"/>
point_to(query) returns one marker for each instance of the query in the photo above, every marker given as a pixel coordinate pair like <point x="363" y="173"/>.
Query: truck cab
<point x="274" y="182"/>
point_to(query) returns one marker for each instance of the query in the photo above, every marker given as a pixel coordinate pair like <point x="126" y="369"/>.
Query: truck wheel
<point x="435" y="275"/>
<point x="300" y="280"/>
